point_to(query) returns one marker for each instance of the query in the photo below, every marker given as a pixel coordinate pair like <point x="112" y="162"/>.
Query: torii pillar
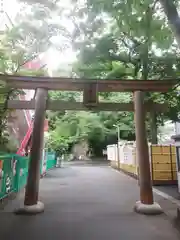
<point x="31" y="203"/>
<point x="146" y="205"/>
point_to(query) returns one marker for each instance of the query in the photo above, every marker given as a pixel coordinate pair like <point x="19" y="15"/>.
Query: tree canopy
<point x="112" y="40"/>
<point x="23" y="40"/>
<point x="123" y="40"/>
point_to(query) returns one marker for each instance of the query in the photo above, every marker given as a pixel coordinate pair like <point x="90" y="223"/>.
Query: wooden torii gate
<point x="90" y="89"/>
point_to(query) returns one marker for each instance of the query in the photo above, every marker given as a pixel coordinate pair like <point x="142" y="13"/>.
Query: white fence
<point x="112" y="152"/>
<point x="126" y="154"/>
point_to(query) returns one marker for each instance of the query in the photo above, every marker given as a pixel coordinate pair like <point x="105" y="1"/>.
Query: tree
<point x="70" y="127"/>
<point x="112" y="44"/>
<point x="170" y="9"/>
<point x="19" y="45"/>
<point x="128" y="47"/>
<point x="75" y="127"/>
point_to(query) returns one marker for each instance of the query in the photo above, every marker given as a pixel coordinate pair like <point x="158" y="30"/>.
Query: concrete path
<point x="86" y="203"/>
<point x="171" y="190"/>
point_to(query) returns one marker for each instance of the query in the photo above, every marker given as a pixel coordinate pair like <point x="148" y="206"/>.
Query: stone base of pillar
<point x="30" y="210"/>
<point x="153" y="209"/>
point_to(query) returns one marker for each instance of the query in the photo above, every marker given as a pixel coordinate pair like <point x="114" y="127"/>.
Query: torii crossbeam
<point x="77" y="84"/>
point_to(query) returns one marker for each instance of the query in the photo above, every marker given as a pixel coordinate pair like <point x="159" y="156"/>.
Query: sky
<point x="53" y="57"/>
<point x="11" y="7"/>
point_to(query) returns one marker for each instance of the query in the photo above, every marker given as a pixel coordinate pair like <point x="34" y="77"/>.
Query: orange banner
<point x="46" y="125"/>
<point x="1" y="164"/>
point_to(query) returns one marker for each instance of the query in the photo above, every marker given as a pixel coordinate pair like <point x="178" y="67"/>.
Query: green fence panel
<point x="7" y="174"/>
<point x="51" y="160"/>
<point x="22" y="164"/>
<point x="14" y="171"/>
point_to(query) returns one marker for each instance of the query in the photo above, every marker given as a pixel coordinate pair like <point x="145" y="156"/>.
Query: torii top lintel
<point x="77" y="84"/>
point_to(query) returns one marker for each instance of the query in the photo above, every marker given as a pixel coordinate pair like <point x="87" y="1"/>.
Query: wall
<point x="162" y="162"/>
<point x="19" y="120"/>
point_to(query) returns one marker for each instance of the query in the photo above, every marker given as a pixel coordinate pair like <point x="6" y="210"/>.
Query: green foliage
<point x="118" y="40"/>
<point x="71" y="127"/>
<point x="113" y="40"/>
<point x="139" y="45"/>
<point x="75" y="127"/>
<point x="29" y="36"/>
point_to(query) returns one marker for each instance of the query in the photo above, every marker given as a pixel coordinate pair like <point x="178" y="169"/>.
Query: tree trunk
<point x="172" y="14"/>
<point x="153" y="121"/>
<point x="32" y="186"/>
<point x="142" y="152"/>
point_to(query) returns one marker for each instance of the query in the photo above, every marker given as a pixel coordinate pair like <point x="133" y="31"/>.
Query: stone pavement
<point x="86" y="203"/>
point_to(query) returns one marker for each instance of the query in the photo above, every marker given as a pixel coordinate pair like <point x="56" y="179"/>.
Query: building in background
<point x="166" y="132"/>
<point x="20" y="120"/>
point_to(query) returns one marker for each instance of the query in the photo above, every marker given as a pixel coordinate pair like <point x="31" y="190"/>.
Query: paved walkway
<point x="171" y="190"/>
<point x="86" y="203"/>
